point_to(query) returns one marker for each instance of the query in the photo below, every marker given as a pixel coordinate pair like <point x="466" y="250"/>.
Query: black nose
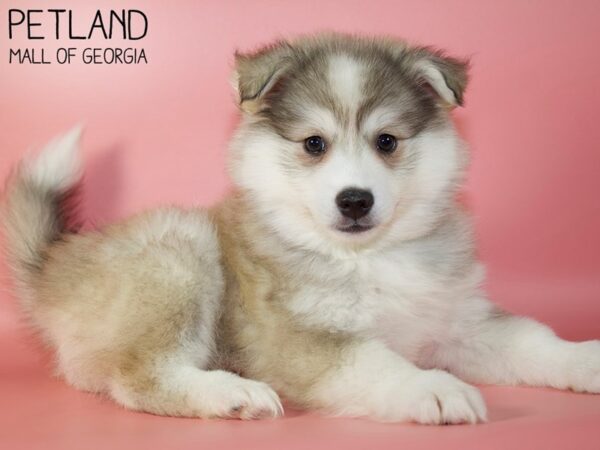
<point x="354" y="203"/>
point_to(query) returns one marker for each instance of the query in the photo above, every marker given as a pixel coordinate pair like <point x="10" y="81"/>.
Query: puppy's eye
<point x="386" y="143"/>
<point x="315" y="145"/>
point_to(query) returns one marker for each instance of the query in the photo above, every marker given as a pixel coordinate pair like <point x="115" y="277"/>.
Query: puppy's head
<point x="347" y="141"/>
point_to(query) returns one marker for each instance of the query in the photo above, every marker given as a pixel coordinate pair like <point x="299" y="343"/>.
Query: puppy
<point x="340" y="273"/>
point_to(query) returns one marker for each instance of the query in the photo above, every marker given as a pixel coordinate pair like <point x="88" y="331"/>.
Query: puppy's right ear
<point x="258" y="72"/>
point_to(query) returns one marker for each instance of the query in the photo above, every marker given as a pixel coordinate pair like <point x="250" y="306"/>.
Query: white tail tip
<point x="58" y="165"/>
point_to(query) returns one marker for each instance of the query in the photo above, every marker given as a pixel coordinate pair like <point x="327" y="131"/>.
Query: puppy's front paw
<point x="583" y="368"/>
<point x="435" y="397"/>
<point x="240" y="398"/>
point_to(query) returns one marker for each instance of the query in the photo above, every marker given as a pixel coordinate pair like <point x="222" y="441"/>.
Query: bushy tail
<point x="36" y="210"/>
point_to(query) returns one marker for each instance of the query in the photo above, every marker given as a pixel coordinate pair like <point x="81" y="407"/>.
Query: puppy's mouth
<point x="354" y="227"/>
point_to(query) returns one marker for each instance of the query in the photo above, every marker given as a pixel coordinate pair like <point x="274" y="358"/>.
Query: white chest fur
<point x="396" y="296"/>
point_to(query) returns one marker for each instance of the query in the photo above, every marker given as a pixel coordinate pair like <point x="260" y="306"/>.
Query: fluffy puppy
<point x="339" y="274"/>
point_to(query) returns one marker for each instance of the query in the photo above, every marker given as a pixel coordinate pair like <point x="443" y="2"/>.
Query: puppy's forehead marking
<point x="379" y="116"/>
<point x="317" y="117"/>
<point x="345" y="78"/>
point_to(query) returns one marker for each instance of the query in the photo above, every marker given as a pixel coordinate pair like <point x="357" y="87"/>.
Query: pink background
<point x="157" y="133"/>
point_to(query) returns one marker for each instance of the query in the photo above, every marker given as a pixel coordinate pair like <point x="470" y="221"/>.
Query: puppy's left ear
<point x="445" y="75"/>
<point x="257" y="73"/>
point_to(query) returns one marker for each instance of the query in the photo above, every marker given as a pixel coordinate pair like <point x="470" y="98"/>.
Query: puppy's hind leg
<point x="140" y="319"/>
<point x="162" y="368"/>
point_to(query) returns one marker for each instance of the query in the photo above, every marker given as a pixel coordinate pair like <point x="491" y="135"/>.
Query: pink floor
<point x="41" y="412"/>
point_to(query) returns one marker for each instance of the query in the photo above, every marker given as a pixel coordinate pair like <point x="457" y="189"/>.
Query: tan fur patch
<point x="260" y="336"/>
